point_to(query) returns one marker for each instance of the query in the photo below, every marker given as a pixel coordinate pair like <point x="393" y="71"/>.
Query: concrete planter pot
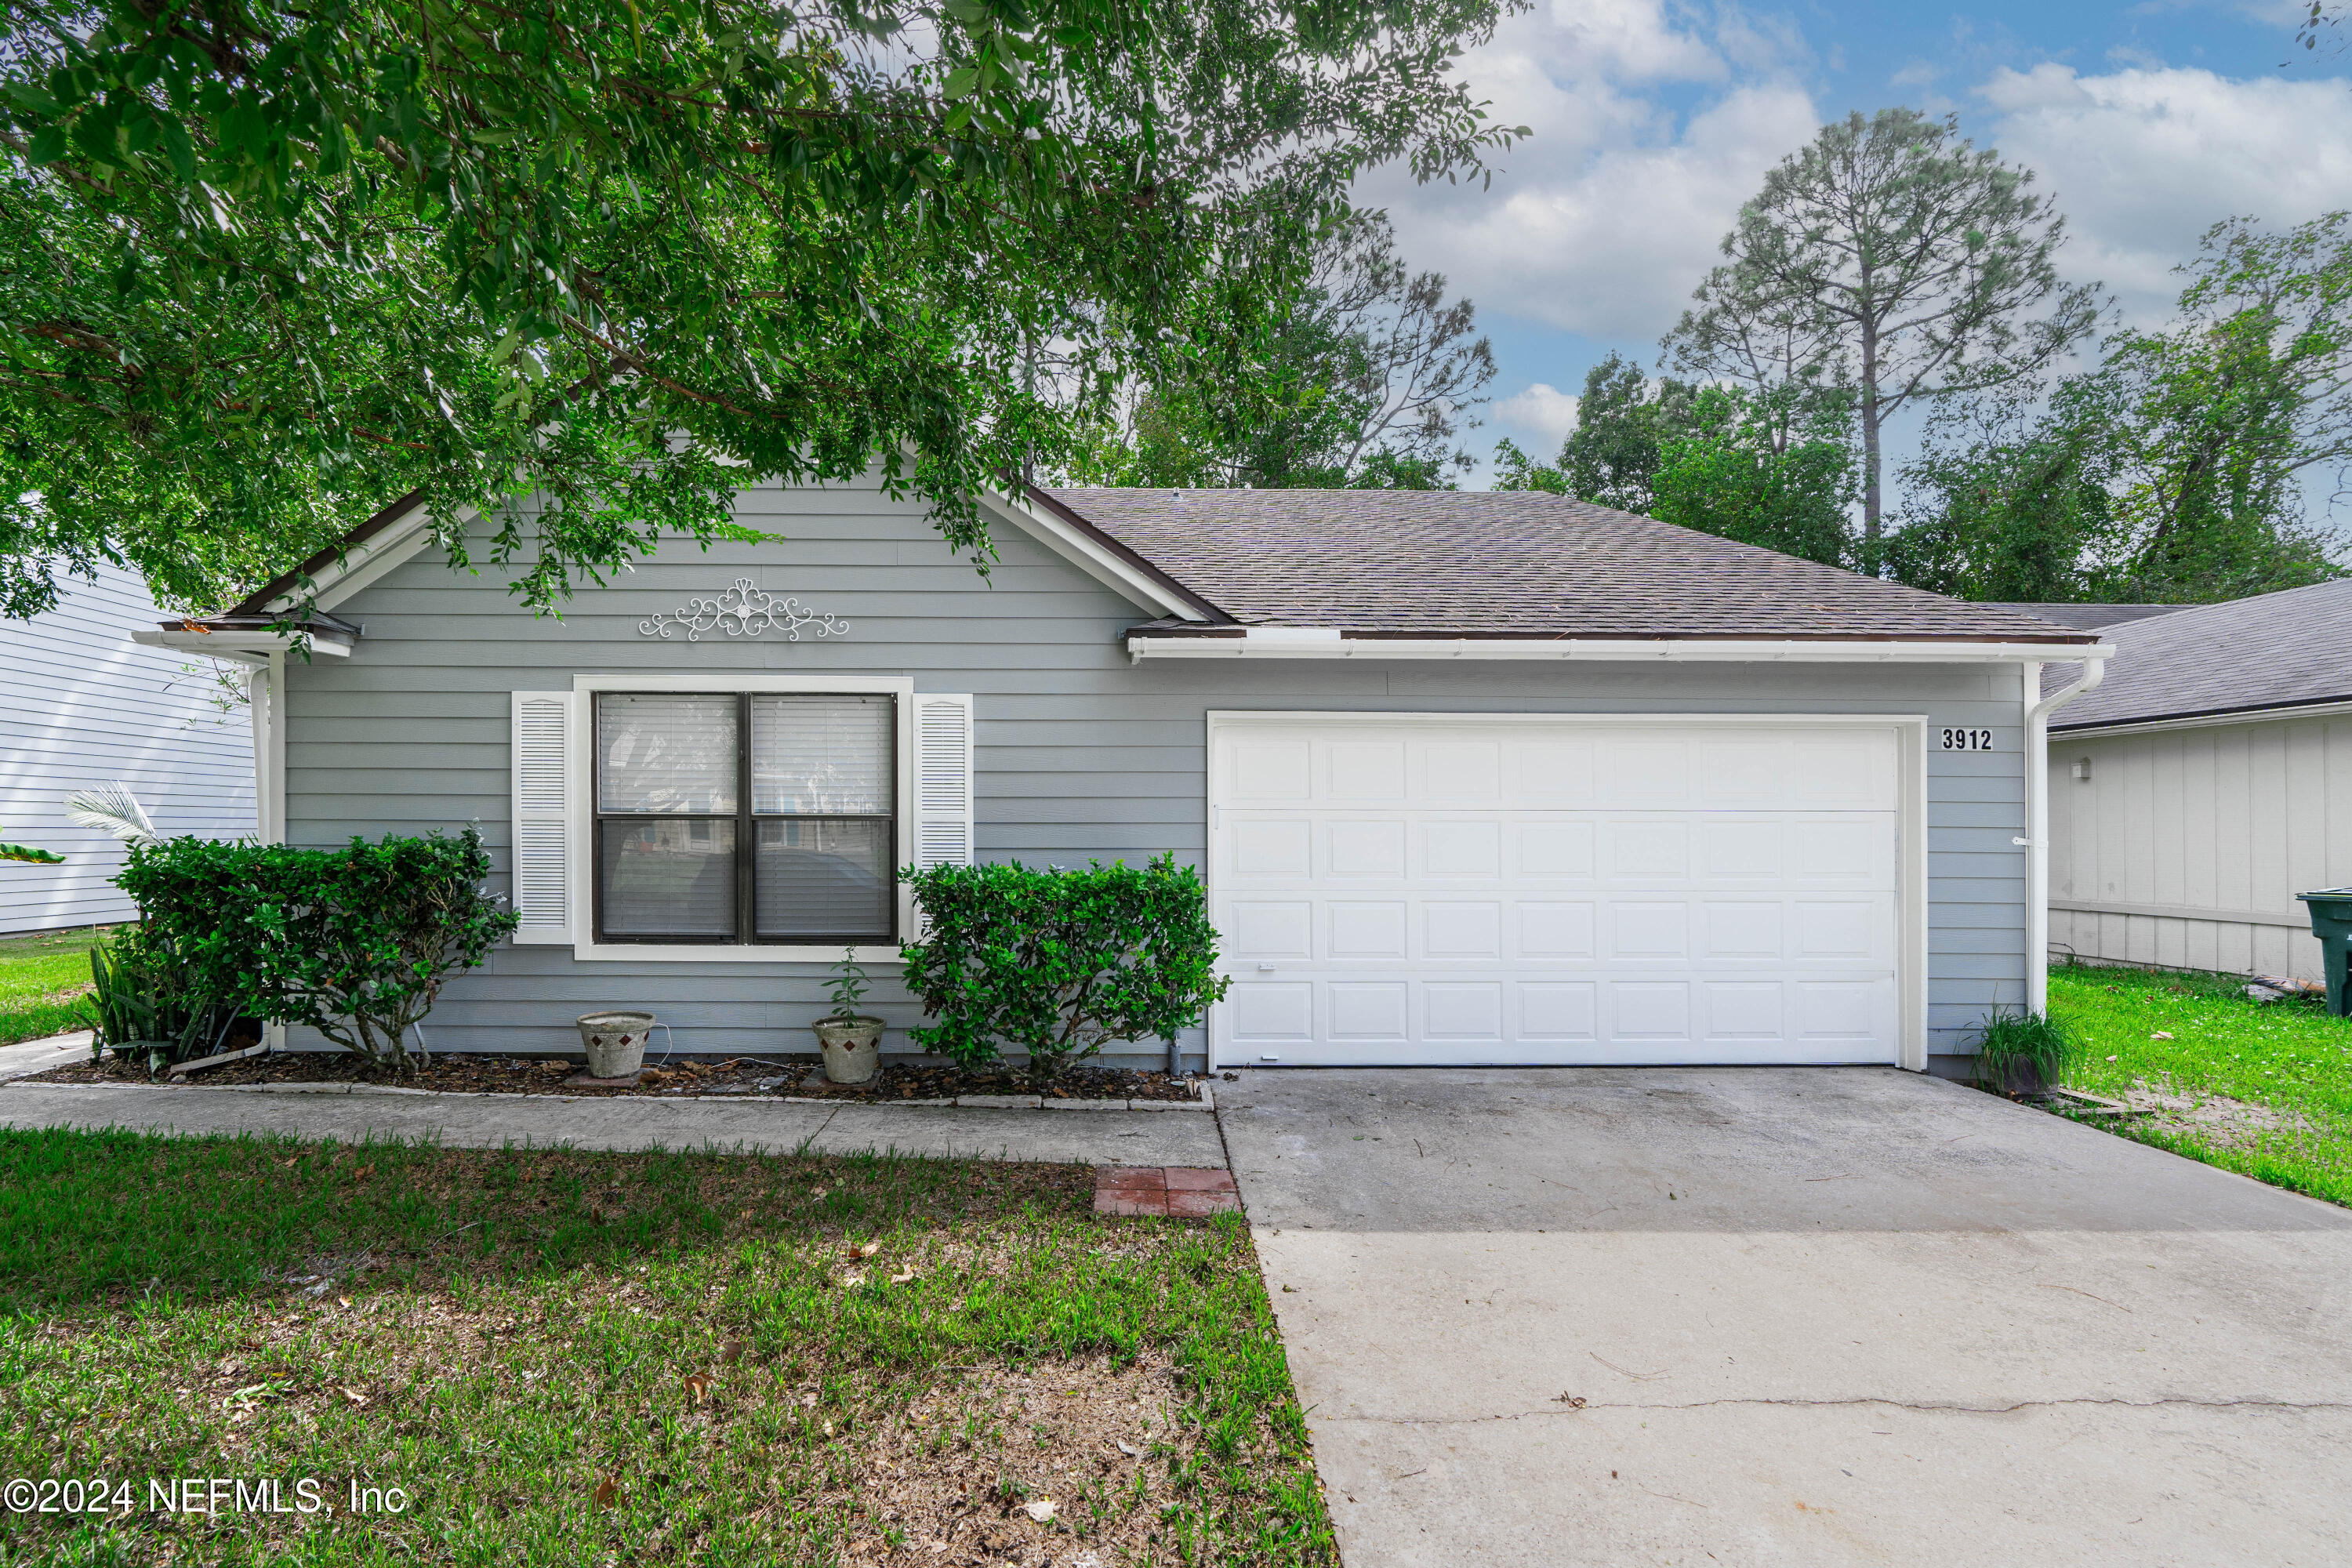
<point x="852" y="1046"/>
<point x="616" y="1043"/>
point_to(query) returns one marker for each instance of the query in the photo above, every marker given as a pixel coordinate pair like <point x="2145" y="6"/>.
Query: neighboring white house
<point x="85" y="705"/>
<point x="2204" y="785"/>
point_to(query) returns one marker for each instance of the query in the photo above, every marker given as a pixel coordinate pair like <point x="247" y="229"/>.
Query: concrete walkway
<point x="492" y="1121"/>
<point x="1808" y="1316"/>
<point x="26" y="1058"/>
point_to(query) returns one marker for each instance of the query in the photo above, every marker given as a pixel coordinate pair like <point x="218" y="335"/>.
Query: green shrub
<point x="144" y="991"/>
<point x="2022" y="1052"/>
<point x="1059" y="963"/>
<point x="354" y="943"/>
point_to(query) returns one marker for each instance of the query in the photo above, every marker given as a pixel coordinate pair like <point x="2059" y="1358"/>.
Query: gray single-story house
<point x="2205" y="785"/>
<point x="1473" y="778"/>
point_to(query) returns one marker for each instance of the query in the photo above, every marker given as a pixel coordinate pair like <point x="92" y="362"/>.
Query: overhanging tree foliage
<point x="266" y="265"/>
<point x="1365" y="375"/>
<point x="1893" y="256"/>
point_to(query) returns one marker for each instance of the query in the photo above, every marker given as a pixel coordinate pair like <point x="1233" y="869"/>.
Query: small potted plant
<point x="851" y="1040"/>
<point x="2024" y="1054"/>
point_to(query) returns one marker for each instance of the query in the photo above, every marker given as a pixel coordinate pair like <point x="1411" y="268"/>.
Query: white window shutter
<point x="943" y="832"/>
<point x="542" y="825"/>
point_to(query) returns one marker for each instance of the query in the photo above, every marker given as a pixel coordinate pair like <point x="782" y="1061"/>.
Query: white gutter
<point x="1327" y="643"/>
<point x="2036" y="841"/>
<point x="253" y="645"/>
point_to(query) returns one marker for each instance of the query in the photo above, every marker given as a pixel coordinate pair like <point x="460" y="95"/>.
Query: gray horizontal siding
<point x="1080" y="754"/>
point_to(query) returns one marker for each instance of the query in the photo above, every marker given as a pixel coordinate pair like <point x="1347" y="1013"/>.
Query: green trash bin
<point x="2331" y="923"/>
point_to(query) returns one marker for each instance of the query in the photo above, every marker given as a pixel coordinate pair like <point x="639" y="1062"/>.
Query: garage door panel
<point x="1364" y="847"/>
<point x="1552" y="851"/>
<point x="1267" y="1012"/>
<point x="1458" y="849"/>
<point x="1638" y="931"/>
<point x="1647" y="1009"/>
<point x="1369" y="1010"/>
<point x="1511" y="893"/>
<point x="1361" y="931"/>
<point x="1747" y="1012"/>
<point x="1643" y="771"/>
<point x="1364" y="770"/>
<point x="1647" y="851"/>
<point x="1461" y="1010"/>
<point x="1843" y="1011"/>
<point x="1458" y="770"/>
<point x="1549" y="772"/>
<point x="1277" y="929"/>
<point x="1742" y="930"/>
<point x="1554" y="930"/>
<point x="1566" y="1012"/>
<point x="1462" y="930"/>
<point x="1268" y="769"/>
<point x="1271" y="848"/>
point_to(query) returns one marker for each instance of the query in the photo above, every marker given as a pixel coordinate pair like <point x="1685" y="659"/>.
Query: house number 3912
<point x="1967" y="740"/>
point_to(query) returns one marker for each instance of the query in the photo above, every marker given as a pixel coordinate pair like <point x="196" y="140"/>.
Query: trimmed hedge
<point x="1059" y="963"/>
<point x="355" y="942"/>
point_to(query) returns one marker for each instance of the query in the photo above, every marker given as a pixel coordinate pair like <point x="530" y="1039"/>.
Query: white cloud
<point x="1542" y="412"/>
<point x="1607" y="218"/>
<point x="2144" y="161"/>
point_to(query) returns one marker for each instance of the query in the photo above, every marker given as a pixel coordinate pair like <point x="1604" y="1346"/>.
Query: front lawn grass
<point x="2290" y="1062"/>
<point x="569" y="1358"/>
<point x="43" y="979"/>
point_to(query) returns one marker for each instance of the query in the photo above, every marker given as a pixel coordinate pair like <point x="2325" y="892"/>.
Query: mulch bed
<point x="479" y="1074"/>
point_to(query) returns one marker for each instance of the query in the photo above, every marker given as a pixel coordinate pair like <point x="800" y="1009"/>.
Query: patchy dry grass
<point x="567" y="1358"/>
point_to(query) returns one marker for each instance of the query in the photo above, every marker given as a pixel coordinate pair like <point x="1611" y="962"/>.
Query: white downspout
<point x="2036" y="841"/>
<point x="266" y="693"/>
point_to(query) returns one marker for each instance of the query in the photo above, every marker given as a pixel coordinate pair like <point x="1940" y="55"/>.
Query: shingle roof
<point x="2274" y="650"/>
<point x="1507" y="564"/>
<point x="2089" y="617"/>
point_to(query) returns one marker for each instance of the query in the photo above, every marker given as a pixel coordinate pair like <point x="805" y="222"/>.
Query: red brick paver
<point x="1176" y="1192"/>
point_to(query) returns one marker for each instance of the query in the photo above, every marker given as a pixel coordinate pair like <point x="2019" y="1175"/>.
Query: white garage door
<point x="1430" y="889"/>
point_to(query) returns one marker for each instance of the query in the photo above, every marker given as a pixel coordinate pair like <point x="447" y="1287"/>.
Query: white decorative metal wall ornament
<point x="743" y="610"/>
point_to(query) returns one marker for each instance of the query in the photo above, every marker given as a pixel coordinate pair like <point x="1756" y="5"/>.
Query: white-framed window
<point x="745" y="817"/>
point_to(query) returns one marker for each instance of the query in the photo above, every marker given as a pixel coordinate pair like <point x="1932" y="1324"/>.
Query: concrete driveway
<point x="1809" y="1316"/>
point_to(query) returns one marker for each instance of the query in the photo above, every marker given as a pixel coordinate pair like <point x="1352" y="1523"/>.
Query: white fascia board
<point x="244" y="646"/>
<point x="1289" y="642"/>
<point x="1105" y="566"/>
<point x="362" y="563"/>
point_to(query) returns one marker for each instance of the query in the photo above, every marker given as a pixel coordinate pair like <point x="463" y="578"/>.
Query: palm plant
<point x="112" y="809"/>
<point x="30" y="856"/>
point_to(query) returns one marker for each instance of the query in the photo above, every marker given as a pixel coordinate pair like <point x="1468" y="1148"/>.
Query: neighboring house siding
<point x="86" y="706"/>
<point x="1080" y="754"/>
<point x="2179" y="835"/>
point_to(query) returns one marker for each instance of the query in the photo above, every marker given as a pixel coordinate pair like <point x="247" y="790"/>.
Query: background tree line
<point x="1892" y="265"/>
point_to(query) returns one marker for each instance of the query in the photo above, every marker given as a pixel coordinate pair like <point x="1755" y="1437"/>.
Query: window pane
<point x="659" y="750"/>
<point x="669" y="879"/>
<point x="825" y="879"/>
<point x="821" y="755"/>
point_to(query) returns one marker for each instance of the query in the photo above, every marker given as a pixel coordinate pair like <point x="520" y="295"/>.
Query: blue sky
<point x="1654" y="120"/>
